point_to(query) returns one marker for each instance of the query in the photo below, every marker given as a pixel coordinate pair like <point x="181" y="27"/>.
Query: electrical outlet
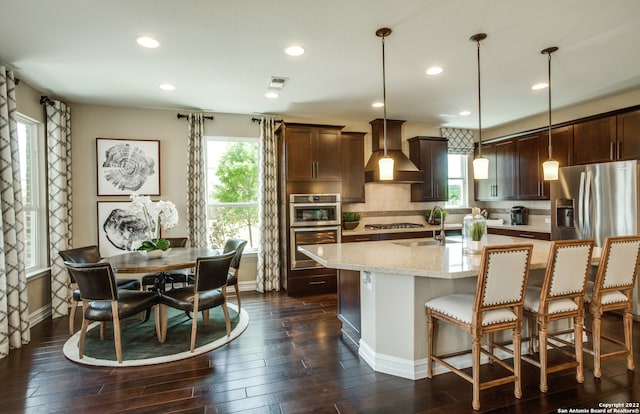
<point x="547" y="220"/>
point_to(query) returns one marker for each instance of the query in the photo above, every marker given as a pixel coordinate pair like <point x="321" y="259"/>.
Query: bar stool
<point x="613" y="291"/>
<point x="495" y="306"/>
<point x="560" y="297"/>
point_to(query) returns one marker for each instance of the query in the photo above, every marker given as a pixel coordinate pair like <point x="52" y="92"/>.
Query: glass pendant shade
<point x="481" y="168"/>
<point x="385" y="165"/>
<point x="550" y="169"/>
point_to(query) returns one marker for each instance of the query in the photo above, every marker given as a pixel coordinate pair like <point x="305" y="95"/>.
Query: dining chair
<point x="207" y="292"/>
<point x="238" y="246"/>
<point x="495" y="306"/>
<point x="176" y="276"/>
<point x="560" y="297"/>
<point x="612" y="290"/>
<point x="87" y="254"/>
<point x="102" y="301"/>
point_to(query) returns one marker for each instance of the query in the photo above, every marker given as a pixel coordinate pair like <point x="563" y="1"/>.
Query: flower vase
<point x="154" y="254"/>
<point x="474" y="233"/>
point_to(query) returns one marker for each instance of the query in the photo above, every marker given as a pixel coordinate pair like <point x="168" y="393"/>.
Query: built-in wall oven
<point x="313" y="219"/>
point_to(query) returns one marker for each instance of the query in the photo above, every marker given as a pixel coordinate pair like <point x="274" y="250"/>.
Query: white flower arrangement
<point x="155" y="215"/>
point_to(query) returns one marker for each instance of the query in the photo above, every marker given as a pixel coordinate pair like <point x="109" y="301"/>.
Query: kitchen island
<point x="396" y="279"/>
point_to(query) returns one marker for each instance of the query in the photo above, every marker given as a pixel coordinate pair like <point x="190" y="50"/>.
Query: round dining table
<point x="177" y="258"/>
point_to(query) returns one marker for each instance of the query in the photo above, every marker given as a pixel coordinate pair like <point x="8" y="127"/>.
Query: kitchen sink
<point x="419" y="243"/>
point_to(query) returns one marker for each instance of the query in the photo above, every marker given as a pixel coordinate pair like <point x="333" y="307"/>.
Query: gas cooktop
<point x="393" y="226"/>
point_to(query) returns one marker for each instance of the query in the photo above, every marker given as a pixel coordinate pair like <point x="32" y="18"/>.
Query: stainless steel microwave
<point x="313" y="210"/>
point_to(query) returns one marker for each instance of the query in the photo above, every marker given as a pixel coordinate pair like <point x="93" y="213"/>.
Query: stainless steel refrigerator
<point x="596" y="201"/>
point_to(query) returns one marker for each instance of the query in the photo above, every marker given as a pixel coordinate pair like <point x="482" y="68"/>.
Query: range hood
<point x="404" y="171"/>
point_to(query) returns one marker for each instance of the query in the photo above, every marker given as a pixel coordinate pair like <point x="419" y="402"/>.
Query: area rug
<point x="140" y="345"/>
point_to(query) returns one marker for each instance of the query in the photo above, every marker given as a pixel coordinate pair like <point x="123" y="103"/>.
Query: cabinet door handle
<point x="321" y="282"/>
<point x="530" y="236"/>
<point x="611" y="150"/>
<point x="619" y="149"/>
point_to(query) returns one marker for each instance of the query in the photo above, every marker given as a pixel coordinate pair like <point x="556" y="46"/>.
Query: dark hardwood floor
<point x="291" y="359"/>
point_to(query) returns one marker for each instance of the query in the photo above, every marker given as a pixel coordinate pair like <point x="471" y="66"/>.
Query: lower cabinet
<point x="349" y="304"/>
<point x="304" y="282"/>
<point x="520" y="233"/>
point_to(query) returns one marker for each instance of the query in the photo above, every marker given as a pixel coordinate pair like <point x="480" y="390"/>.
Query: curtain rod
<point x="210" y="117"/>
<point x="254" y="120"/>
<point x="45" y="100"/>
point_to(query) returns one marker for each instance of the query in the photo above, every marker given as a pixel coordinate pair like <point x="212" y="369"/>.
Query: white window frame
<point x="248" y="251"/>
<point x="39" y="195"/>
<point x="464" y="163"/>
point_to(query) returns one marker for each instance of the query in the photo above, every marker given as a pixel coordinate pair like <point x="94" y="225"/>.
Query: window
<point x="458" y="194"/>
<point x="32" y="176"/>
<point x="232" y="190"/>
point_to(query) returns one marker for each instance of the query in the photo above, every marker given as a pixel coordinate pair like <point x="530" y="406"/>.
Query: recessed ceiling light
<point x="294" y="51"/>
<point x="465" y="113"/>
<point x="537" y="86"/>
<point x="377" y="104"/>
<point x="148" y="42"/>
<point x="434" y="70"/>
<point x="272" y="95"/>
<point x="167" y="87"/>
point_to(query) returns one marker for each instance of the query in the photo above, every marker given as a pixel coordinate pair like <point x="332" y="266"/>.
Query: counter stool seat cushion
<point x="606" y="298"/>
<point x="460" y="307"/>
<point x="532" y="302"/>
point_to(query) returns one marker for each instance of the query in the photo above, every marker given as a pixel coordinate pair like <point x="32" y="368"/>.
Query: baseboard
<point x="40" y="315"/>
<point x="247" y="286"/>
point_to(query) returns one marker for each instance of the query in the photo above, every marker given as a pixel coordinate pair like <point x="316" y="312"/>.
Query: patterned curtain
<point x="14" y="309"/>
<point x="268" y="277"/>
<point x="460" y="140"/>
<point x="60" y="206"/>
<point x="196" y="183"/>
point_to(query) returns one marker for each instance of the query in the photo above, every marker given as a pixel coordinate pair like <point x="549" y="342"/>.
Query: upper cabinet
<point x="312" y="152"/>
<point x="429" y="154"/>
<point x="531" y="151"/>
<point x="352" y="147"/>
<point x="595" y="141"/>
<point x="628" y="144"/>
<point x="501" y="184"/>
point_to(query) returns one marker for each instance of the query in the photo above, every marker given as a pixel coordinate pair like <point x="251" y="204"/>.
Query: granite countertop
<point x="413" y="258"/>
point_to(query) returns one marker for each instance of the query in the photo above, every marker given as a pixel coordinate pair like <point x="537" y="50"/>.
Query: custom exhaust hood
<point x="404" y="171"/>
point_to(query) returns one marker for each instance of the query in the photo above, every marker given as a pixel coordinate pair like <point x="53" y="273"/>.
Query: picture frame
<point x="118" y="229"/>
<point x="125" y="166"/>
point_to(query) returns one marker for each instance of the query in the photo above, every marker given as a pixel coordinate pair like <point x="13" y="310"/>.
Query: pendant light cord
<point x="479" y="106"/>
<point x="549" y="95"/>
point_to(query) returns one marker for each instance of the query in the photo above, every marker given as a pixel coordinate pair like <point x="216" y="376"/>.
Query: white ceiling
<point x="220" y="55"/>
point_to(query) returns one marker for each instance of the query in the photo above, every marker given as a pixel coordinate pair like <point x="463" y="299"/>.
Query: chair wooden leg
<point x="72" y="316"/>
<point x="116" y="330"/>
<point x="597" y="368"/>
<point x="237" y="296"/>
<point x="542" y="349"/>
<point x="161" y="313"/>
<point x="577" y="333"/>
<point x="475" y="349"/>
<point x="517" y="363"/>
<point x="225" y="310"/>
<point x="532" y="334"/>
<point x="430" y="330"/>
<point x="205" y="317"/>
<point x="103" y="325"/>
<point x="83" y="335"/>
<point x="628" y="339"/>
<point x="491" y="346"/>
<point x="194" y="324"/>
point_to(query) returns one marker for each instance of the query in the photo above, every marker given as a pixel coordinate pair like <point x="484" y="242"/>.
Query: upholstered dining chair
<point x="559" y="298"/>
<point x="232" y="279"/>
<point x="207" y="292"/>
<point x="612" y="290"/>
<point x="87" y="254"/>
<point x="495" y="306"/>
<point x="177" y="276"/>
<point x="102" y="301"/>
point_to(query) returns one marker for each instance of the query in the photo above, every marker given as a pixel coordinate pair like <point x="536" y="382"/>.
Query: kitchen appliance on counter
<point x="314" y="219"/>
<point x="596" y="201"/>
<point x="519" y="215"/>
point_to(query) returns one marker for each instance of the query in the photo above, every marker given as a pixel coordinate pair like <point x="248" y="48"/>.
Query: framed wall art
<point x="128" y="165"/>
<point x="118" y="228"/>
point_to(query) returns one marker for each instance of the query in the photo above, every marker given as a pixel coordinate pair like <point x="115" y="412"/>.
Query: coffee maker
<point x="518" y="215"/>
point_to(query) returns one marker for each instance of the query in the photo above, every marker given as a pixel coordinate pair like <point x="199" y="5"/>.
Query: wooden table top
<point x="177" y="258"/>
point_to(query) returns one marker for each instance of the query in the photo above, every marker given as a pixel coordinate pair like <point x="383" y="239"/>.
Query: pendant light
<point x="385" y="164"/>
<point x="550" y="166"/>
<point x="480" y="163"/>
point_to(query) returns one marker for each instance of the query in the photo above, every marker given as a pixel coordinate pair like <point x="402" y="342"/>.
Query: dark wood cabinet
<point x="352" y="148"/>
<point x="312" y="152"/>
<point x="349" y="304"/>
<point x="532" y="150"/>
<point x="594" y="141"/>
<point x="628" y="134"/>
<point x="430" y="155"/>
<point x="501" y="184"/>
<point x="520" y="233"/>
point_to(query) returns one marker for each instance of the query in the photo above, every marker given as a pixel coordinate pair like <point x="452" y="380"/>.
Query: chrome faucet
<point x="440" y="237"/>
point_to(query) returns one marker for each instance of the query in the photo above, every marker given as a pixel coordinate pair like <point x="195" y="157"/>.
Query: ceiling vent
<point x="277" y="82"/>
